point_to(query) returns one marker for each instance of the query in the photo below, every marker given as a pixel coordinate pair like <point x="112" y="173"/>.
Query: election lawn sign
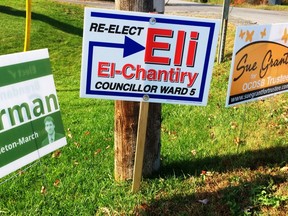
<point x="27" y="97"/>
<point x="147" y="57"/>
<point x="259" y="64"/>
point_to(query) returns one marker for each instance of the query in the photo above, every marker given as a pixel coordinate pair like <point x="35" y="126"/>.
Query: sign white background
<point x="204" y="56"/>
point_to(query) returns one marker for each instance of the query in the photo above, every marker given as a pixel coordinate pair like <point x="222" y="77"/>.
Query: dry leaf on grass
<point x="43" y="190"/>
<point x="56" y="154"/>
<point x="56" y="183"/>
<point x="204" y="201"/>
<point x="97" y="152"/>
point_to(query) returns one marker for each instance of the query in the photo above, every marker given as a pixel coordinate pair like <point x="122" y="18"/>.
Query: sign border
<point x="142" y="18"/>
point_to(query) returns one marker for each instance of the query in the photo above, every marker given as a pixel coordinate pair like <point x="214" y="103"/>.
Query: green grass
<point x="234" y="157"/>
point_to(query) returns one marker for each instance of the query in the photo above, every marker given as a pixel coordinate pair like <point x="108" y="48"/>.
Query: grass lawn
<point x="215" y="160"/>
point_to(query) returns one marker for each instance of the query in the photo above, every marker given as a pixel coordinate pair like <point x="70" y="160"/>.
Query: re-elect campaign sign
<point x="30" y="120"/>
<point x="259" y="64"/>
<point x="131" y="56"/>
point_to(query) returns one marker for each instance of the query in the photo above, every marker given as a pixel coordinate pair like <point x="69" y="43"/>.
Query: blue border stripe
<point x="208" y="53"/>
<point x="211" y="27"/>
<point x="140" y="95"/>
<point x="120" y="16"/>
<point x="130" y="94"/>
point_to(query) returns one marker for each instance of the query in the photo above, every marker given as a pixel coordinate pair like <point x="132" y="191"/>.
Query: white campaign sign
<point x="139" y="56"/>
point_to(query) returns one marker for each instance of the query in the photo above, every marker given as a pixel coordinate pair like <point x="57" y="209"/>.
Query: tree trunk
<point x="134" y="5"/>
<point x="126" y="121"/>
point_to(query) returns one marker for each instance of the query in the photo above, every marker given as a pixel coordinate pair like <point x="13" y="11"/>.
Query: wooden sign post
<point x="140" y="145"/>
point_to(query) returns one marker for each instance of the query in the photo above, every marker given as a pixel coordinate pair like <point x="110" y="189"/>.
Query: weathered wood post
<point x="126" y="121"/>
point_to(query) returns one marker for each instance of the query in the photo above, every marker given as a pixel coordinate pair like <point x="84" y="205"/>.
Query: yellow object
<point x="28" y="25"/>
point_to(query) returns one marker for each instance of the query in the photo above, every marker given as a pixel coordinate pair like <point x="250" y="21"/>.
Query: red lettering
<point x="192" y="49"/>
<point x="112" y="73"/>
<point x="125" y="69"/>
<point x="152" y="45"/>
<point x="139" y="71"/>
<point x="103" y="68"/>
<point x="179" y="48"/>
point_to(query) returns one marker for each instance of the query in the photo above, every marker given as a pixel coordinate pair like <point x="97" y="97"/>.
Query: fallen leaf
<point x="233" y="125"/>
<point x="209" y="173"/>
<point x="212" y="135"/>
<point x="284" y="169"/>
<point x="237" y="140"/>
<point x="20" y="172"/>
<point x="77" y="144"/>
<point x="204" y="201"/>
<point x="172" y="132"/>
<point x="143" y="206"/>
<point x="194" y="152"/>
<point x="43" y="190"/>
<point x="203" y="172"/>
<point x="105" y="210"/>
<point x="97" y="152"/>
<point x="56" y="154"/>
<point x="69" y="134"/>
<point x="248" y="209"/>
<point x="87" y="133"/>
<point x="56" y="183"/>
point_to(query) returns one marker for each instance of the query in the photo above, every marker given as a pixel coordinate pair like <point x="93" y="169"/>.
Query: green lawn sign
<point x="30" y="119"/>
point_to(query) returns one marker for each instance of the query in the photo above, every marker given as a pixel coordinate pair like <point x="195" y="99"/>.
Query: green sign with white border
<point x="30" y="119"/>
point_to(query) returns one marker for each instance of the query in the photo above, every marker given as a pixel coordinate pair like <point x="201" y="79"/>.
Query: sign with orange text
<point x="147" y="57"/>
<point x="260" y="63"/>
